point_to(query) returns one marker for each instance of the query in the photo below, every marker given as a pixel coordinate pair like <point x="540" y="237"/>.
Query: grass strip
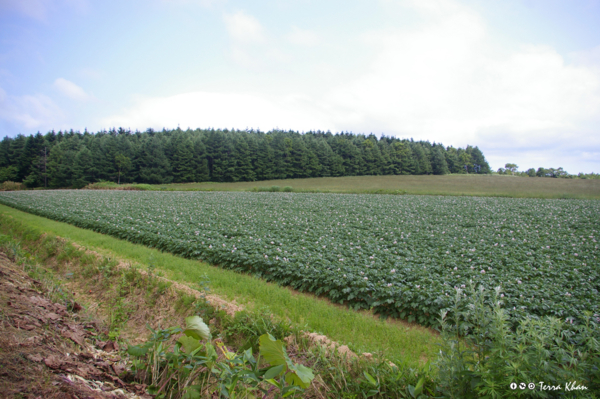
<point x="403" y="344"/>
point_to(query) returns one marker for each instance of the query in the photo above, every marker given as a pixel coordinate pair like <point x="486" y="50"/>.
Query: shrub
<point x="11" y="186"/>
<point x="193" y="367"/>
<point x="482" y="356"/>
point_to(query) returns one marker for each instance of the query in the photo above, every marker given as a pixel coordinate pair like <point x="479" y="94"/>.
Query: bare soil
<point x="47" y="351"/>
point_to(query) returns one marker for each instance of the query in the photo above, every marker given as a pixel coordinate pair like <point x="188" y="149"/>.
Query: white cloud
<point x="71" y="90"/>
<point x="30" y="112"/>
<point x="244" y="28"/>
<point x="447" y="81"/>
<point x="589" y="58"/>
<point x="303" y="37"/>
<point x="221" y="110"/>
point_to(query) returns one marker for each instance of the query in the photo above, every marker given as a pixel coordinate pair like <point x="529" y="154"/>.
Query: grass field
<point x="471" y="185"/>
<point x="401" y="342"/>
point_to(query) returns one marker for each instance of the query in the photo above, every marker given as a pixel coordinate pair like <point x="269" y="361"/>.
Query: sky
<point x="520" y="79"/>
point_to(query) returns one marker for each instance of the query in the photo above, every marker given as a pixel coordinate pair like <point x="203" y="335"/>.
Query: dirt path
<point x="48" y="351"/>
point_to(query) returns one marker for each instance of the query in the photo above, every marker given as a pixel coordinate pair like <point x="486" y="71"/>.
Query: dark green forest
<point x="74" y="159"/>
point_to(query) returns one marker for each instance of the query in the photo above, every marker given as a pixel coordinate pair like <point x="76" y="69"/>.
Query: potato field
<point x="403" y="256"/>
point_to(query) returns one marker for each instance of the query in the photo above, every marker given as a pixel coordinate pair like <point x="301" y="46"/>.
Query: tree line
<point x="75" y="159"/>
<point x="513" y="169"/>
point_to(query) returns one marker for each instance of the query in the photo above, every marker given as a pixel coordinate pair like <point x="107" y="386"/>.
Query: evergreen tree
<point x="464" y="160"/>
<point x="243" y="161"/>
<point x="280" y="155"/>
<point x="200" y="162"/>
<point x="325" y="156"/>
<point x="61" y="170"/>
<point x="264" y="162"/>
<point x="123" y="165"/>
<point x="422" y="164"/>
<point x="452" y="160"/>
<point x="218" y="162"/>
<point x="221" y="155"/>
<point x="83" y="168"/>
<point x="478" y="159"/>
<point x="298" y="159"/>
<point x="438" y="164"/>
<point x="404" y="160"/>
<point x="182" y="160"/>
<point x="386" y="168"/>
<point x="152" y="164"/>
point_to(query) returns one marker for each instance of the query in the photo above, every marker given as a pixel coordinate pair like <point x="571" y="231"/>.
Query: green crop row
<point x="402" y="256"/>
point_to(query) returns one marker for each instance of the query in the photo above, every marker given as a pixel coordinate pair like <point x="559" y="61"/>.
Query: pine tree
<point x="438" y="164"/>
<point x="182" y="160"/>
<point x="243" y="162"/>
<point x="152" y="164"/>
<point x="423" y="165"/>
<point x="298" y="159"/>
<point x="83" y="168"/>
<point x="264" y="161"/>
<point x="404" y="160"/>
<point x="200" y="162"/>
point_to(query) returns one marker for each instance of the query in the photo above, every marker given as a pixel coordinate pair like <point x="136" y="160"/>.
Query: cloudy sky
<point x="518" y="78"/>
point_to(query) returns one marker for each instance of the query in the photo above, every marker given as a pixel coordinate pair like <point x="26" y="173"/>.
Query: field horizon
<point x="447" y="185"/>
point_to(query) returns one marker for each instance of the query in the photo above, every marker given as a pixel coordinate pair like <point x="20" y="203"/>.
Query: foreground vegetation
<point x="480" y="354"/>
<point x="404" y="344"/>
<point x="398" y="256"/>
<point x="172" y="364"/>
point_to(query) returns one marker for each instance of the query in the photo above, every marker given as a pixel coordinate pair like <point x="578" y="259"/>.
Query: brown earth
<point x="47" y="351"/>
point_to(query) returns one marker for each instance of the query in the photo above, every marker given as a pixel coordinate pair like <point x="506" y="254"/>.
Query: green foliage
<point x="245" y="329"/>
<point x="8" y="174"/>
<point x="400" y="256"/>
<point x="295" y="375"/>
<point x="71" y="159"/>
<point x="482" y="356"/>
<point x="194" y="368"/>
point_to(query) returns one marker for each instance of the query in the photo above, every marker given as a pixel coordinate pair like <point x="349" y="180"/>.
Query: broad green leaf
<point x="272" y="350"/>
<point x="274" y="371"/>
<point x="189" y="344"/>
<point x="195" y="327"/>
<point x="299" y="375"/>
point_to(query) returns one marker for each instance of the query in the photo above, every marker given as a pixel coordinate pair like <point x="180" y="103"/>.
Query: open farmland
<point x="455" y="184"/>
<point x="401" y="255"/>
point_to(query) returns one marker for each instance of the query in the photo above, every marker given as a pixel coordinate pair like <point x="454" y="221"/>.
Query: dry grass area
<point x="472" y="185"/>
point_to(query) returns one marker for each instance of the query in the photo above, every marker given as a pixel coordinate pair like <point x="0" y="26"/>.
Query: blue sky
<point x="519" y="79"/>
